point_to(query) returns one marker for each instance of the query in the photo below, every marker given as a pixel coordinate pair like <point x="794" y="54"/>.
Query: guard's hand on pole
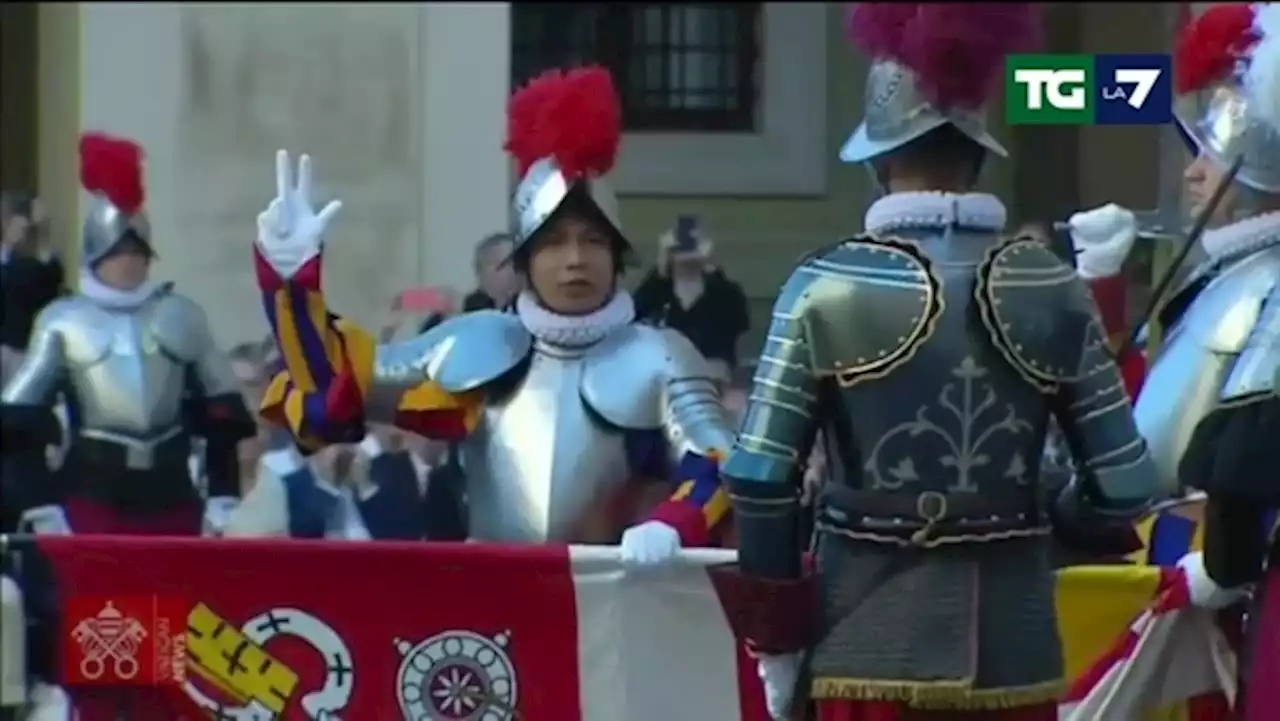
<point x="1103" y="238"/>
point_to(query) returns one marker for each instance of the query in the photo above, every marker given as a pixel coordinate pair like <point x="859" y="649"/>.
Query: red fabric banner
<point x="305" y="630"/>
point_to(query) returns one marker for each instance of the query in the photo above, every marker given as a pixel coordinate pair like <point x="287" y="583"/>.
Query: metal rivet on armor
<point x="902" y="339"/>
<point x="915" y="319"/>
<point x="1017" y="347"/>
<point x="861" y="359"/>
<point x="838" y="364"/>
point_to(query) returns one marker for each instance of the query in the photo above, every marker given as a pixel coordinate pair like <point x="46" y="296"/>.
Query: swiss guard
<point x="931" y="353"/>
<point x="138" y="369"/>
<point x="566" y="408"/>
<point x="1213" y="415"/>
<point x="137" y="366"/>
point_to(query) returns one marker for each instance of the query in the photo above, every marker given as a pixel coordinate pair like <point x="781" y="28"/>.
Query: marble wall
<point x="400" y="105"/>
<point x="339" y="83"/>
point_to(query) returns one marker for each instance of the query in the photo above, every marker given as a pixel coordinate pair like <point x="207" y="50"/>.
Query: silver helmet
<point x="111" y="172"/>
<point x="897" y="112"/>
<point x="1236" y="114"/>
<point x="933" y="64"/>
<point x="544" y="188"/>
<point x="563" y="130"/>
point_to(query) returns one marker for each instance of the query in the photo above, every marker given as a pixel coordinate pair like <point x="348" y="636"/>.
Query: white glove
<point x="1102" y="238"/>
<point x="45" y="520"/>
<point x="370" y="447"/>
<point x="778" y="674"/>
<point x="290" y="231"/>
<point x="217" y="513"/>
<point x="651" y="543"/>
<point x="1203" y="590"/>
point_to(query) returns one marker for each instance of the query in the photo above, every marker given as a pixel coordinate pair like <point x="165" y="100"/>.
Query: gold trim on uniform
<point x="1024" y="273"/>
<point x="937" y="695"/>
<point x="910" y="270"/>
<point x="916" y="541"/>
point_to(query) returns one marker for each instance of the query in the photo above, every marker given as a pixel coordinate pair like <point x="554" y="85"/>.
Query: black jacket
<point x="27" y="285"/>
<point x="714" y="323"/>
<point x="477" y="300"/>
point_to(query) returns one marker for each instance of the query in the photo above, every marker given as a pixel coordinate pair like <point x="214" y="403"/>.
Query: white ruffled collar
<point x="932" y="209"/>
<point x="1242" y="237"/>
<point x="575" y="331"/>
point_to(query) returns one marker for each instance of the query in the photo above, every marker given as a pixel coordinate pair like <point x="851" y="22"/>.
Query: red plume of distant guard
<point x="112" y="167"/>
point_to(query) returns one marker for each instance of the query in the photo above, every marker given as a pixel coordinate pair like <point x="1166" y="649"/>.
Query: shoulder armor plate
<point x="625" y="375"/>
<point x="867" y="305"/>
<point x="1020" y="284"/>
<point x="83" y="327"/>
<point x="179" y="326"/>
<point x="466" y="351"/>
<point x="1225" y="313"/>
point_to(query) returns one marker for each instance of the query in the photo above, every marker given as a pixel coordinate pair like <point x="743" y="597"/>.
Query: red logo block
<point x="126" y="640"/>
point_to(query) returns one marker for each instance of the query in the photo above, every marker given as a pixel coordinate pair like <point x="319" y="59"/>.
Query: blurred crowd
<point x="31" y="275"/>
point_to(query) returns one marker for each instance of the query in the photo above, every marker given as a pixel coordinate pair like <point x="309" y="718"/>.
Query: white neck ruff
<point x="933" y="209"/>
<point x="1242" y="237"/>
<point x="575" y="331"/>
<point x="114" y="298"/>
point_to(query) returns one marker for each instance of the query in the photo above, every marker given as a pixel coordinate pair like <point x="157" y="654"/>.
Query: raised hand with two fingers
<point x="317" y="396"/>
<point x="290" y="231"/>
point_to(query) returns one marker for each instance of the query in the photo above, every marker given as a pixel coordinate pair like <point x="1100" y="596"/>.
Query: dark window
<point x="678" y="66"/>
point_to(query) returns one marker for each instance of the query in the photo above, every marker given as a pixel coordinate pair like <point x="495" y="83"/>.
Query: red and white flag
<point x="271" y="629"/>
<point x="310" y="630"/>
<point x="1172" y="658"/>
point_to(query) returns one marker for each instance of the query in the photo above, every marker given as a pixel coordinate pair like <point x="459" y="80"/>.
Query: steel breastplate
<point x="540" y="467"/>
<point x="122" y="379"/>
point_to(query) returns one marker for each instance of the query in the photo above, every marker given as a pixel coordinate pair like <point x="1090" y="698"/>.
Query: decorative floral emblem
<point x="457" y="676"/>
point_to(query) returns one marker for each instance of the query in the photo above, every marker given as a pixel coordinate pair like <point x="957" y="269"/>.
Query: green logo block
<point x="1049" y="90"/>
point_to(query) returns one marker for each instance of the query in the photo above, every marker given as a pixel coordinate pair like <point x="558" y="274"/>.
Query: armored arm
<point x="216" y="410"/>
<point x="700" y="435"/>
<point x="778" y="430"/>
<point x="29" y="421"/>
<point x="1231" y="456"/>
<point x="1231" y="452"/>
<point x="1111" y="297"/>
<point x="771" y="600"/>
<point x="1115" y="474"/>
<point x="337" y="377"/>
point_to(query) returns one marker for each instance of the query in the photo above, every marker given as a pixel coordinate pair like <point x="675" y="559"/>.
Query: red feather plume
<point x="572" y="116"/>
<point x="956" y="50"/>
<point x="112" y="167"/>
<point x="1212" y="46"/>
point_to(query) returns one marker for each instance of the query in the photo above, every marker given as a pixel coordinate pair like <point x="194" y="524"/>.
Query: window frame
<point x="618" y="26"/>
<point x="787" y="154"/>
